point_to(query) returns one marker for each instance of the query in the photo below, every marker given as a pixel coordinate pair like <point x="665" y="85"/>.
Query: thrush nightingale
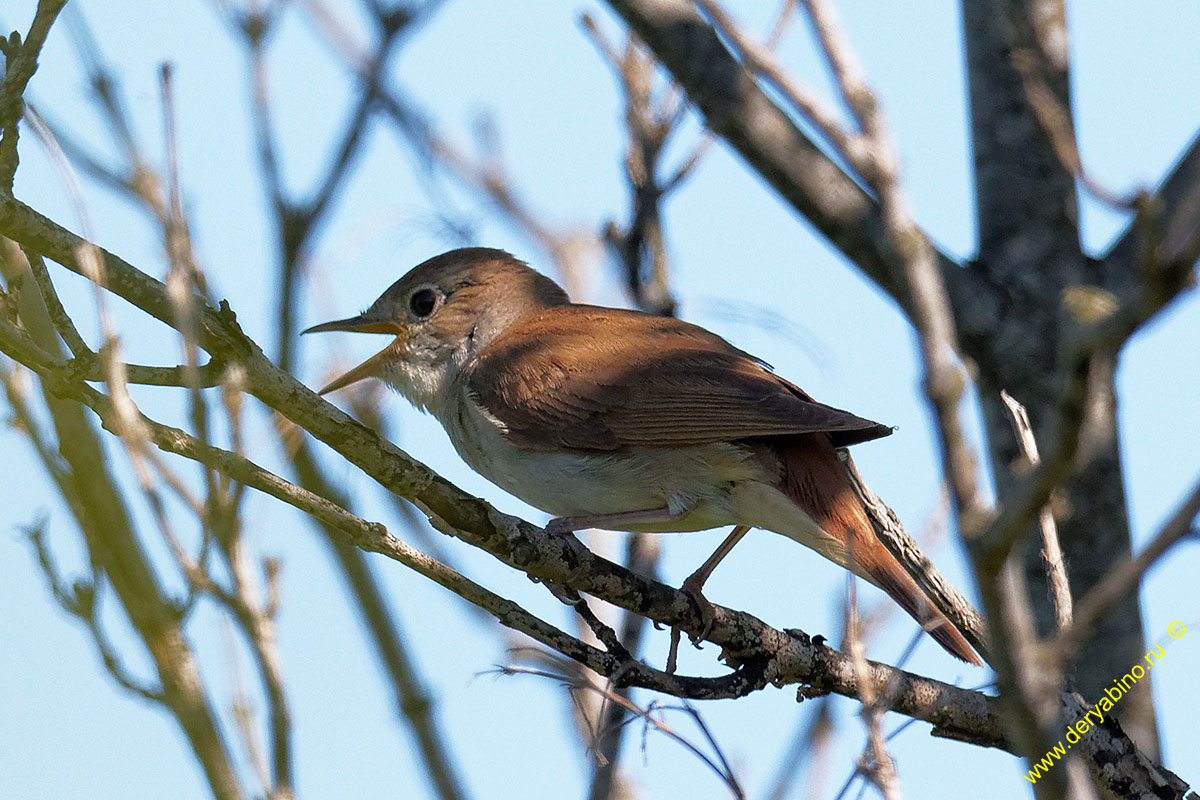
<point x="621" y="420"/>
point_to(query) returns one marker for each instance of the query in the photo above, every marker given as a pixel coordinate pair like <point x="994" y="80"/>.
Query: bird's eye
<point x="422" y="302"/>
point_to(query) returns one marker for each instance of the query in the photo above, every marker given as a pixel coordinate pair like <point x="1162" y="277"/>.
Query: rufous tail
<point x="815" y="479"/>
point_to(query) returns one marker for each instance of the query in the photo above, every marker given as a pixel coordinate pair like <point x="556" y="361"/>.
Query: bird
<point x="626" y="421"/>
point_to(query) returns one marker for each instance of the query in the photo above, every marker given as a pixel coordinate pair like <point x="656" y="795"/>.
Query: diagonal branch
<point x="736" y="108"/>
<point x="1052" y="557"/>
<point x="21" y="61"/>
<point x="955" y="712"/>
<point x="1163" y="280"/>
<point x="766" y="655"/>
<point x="763" y="655"/>
<point x="1177" y="205"/>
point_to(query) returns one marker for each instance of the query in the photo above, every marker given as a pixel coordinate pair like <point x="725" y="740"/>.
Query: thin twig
<point x="759" y="59"/>
<point x="82" y="601"/>
<point x="1056" y="121"/>
<point x="21" y="61"/>
<point x="58" y="315"/>
<point x="241" y="707"/>
<point x="717" y="763"/>
<point x="1052" y="556"/>
<point x="202" y="376"/>
<point x="876" y="763"/>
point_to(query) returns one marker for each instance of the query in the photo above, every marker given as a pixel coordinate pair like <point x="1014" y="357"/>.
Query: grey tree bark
<point x="1013" y="304"/>
<point x="1017" y="327"/>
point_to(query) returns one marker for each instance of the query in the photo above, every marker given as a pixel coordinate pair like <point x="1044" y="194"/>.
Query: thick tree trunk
<point x="1029" y="253"/>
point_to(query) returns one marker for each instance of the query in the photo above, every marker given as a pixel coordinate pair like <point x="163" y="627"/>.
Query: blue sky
<point x="739" y="255"/>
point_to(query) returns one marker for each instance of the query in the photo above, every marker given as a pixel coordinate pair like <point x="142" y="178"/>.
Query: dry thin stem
<point x="54" y="307"/>
<point x="1056" y="121"/>
<point x="929" y="301"/>
<point x="242" y="710"/>
<point x="640" y="249"/>
<point x="759" y="59"/>
<point x="257" y="623"/>
<point x="21" y="62"/>
<point x="82" y="598"/>
<point x="876" y="763"/>
<point x="1052" y="557"/>
<point x="687" y="165"/>
<point x="717" y="762"/>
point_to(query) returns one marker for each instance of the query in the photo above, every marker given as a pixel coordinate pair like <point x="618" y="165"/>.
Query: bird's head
<point x="442" y="313"/>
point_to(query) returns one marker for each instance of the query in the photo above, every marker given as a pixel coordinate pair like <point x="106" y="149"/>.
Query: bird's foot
<point x="708" y="616"/>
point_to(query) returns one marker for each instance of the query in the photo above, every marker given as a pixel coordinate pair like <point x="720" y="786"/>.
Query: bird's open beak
<point x="363" y="323"/>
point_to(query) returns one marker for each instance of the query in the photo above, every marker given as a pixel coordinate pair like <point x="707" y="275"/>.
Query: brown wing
<point x="633" y="378"/>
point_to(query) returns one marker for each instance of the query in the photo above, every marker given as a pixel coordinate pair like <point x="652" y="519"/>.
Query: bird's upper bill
<point x="363" y="323"/>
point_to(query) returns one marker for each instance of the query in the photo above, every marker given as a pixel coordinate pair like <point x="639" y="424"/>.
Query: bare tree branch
<point x="717" y="763"/>
<point x="876" y="762"/>
<point x="739" y="111"/>
<point x="760" y="60"/>
<point x="21" y="60"/>
<point x="766" y="655"/>
<point x="1051" y="550"/>
<point x="103" y="519"/>
<point x="1176" y="205"/>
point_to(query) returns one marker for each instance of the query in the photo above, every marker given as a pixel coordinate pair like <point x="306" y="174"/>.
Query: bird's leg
<point x="695" y="582"/>
<point x="613" y="522"/>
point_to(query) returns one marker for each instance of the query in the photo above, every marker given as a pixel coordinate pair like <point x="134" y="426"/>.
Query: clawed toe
<point x="708" y="614"/>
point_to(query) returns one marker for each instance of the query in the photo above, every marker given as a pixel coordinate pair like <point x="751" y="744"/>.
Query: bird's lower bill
<point x="366" y="322"/>
<point x="368" y="369"/>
